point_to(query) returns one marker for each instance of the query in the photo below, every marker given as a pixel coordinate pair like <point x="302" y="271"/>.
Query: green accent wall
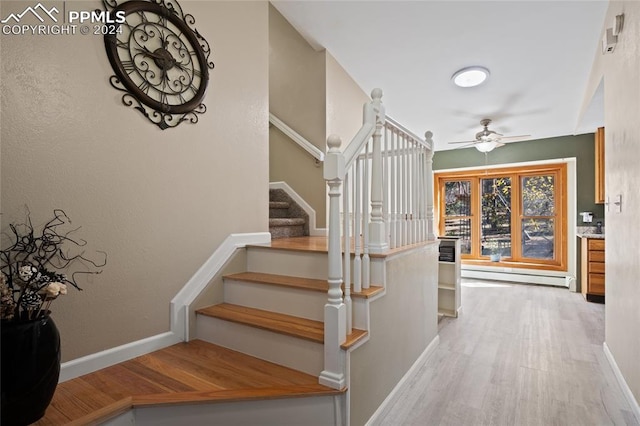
<point x="582" y="147"/>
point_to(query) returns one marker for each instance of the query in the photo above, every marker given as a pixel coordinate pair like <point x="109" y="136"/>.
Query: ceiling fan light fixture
<point x="486" y="146"/>
<point x="470" y="76"/>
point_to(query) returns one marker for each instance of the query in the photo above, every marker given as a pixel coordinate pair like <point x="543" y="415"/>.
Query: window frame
<point x="516" y="260"/>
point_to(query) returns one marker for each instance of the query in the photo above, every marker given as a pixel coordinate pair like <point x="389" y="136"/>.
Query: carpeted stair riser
<point x="282" y="207"/>
<point x="286" y="227"/>
<point x="278" y="209"/>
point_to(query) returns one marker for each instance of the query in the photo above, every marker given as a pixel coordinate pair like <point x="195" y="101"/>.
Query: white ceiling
<point x="539" y="53"/>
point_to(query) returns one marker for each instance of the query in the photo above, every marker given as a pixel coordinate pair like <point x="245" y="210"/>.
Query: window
<point x="516" y="216"/>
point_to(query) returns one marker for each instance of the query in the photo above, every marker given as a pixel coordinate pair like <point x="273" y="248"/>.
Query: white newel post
<point x="377" y="238"/>
<point x="429" y="183"/>
<point x="335" y="311"/>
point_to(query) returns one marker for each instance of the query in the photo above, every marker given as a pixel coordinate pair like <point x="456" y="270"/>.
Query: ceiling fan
<point x="487" y="140"/>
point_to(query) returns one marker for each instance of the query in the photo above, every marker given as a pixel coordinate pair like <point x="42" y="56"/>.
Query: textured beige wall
<point x="622" y="146"/>
<point x="403" y="323"/>
<point x="158" y="202"/>
<point x="297" y="97"/>
<point x="345" y="100"/>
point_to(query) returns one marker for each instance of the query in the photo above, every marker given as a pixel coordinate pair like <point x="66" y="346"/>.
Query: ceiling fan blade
<point x="514" y="138"/>
<point x="476" y="141"/>
<point x="468" y="145"/>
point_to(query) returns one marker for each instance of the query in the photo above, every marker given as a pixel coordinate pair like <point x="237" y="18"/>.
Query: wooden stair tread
<point x="353" y="338"/>
<point x="232" y="395"/>
<point x="196" y="369"/>
<point x="266" y="320"/>
<point x="276" y="322"/>
<point x="281" y="280"/>
<point x="104" y="413"/>
<point x="367" y="293"/>
<point x="297" y="282"/>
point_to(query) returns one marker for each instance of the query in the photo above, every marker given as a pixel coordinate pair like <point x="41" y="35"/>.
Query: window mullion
<point x="516" y="218"/>
<point x="476" y="217"/>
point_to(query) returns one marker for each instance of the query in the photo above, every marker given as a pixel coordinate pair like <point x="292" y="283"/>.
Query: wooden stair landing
<point x="320" y="245"/>
<point x="185" y="373"/>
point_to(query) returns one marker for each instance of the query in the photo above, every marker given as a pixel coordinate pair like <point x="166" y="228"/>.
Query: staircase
<point x="256" y="357"/>
<point x="275" y="310"/>
<point x="286" y="218"/>
<point x="283" y="310"/>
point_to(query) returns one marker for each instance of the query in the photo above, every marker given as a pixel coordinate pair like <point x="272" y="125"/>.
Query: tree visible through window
<point x="538" y="216"/>
<point x="496" y="216"/>
<point x="457" y="220"/>
<point x="517" y="214"/>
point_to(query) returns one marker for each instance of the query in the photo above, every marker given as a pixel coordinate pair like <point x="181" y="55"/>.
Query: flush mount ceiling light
<point x="486" y="146"/>
<point x="470" y="76"/>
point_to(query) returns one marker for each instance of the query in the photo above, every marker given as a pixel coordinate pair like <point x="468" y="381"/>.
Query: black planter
<point x="30" y="369"/>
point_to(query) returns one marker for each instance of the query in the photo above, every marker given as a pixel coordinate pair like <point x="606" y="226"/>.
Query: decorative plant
<point x="33" y="267"/>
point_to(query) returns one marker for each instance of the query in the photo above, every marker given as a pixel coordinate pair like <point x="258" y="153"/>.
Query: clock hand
<point x="149" y="53"/>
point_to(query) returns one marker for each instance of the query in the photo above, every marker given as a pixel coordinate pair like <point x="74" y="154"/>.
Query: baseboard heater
<point x="555" y="280"/>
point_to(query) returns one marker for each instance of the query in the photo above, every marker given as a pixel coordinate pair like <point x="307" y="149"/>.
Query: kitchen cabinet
<point x="592" y="269"/>
<point x="599" y="163"/>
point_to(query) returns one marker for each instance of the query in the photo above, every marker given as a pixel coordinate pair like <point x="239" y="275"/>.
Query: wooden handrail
<point x="428" y="143"/>
<point x="297" y="138"/>
<point x="371" y="111"/>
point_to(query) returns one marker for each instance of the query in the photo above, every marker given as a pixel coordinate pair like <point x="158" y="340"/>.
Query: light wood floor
<point x="518" y="355"/>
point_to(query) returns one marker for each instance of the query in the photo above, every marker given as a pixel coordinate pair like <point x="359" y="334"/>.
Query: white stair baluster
<point x="399" y="190"/>
<point x="366" y="261"/>
<point x="416" y="192"/>
<point x="421" y="194"/>
<point x="346" y="241"/>
<point x="429" y="183"/>
<point x="412" y="191"/>
<point x="393" y="219"/>
<point x="385" y="184"/>
<point x="405" y="192"/>
<point x="357" y="261"/>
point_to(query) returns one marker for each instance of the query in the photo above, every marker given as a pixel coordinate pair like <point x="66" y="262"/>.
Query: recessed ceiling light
<point x="470" y="76"/>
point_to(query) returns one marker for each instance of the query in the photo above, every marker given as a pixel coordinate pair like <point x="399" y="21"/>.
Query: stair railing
<point x="297" y="138"/>
<point x="387" y="183"/>
<point x="408" y="187"/>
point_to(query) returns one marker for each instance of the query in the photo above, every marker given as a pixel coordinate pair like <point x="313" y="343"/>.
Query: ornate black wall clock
<point x="160" y="60"/>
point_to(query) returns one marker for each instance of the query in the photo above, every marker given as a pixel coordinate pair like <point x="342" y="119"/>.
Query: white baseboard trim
<point x="90" y="363"/>
<point x="626" y="390"/>
<point x="179" y="313"/>
<point x="411" y="372"/>
<point x="313" y="231"/>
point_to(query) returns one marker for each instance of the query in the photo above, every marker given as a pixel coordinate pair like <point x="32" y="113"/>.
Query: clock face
<point x="158" y="58"/>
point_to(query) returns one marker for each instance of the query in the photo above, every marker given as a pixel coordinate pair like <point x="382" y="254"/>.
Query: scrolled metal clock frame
<point x="161" y="62"/>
